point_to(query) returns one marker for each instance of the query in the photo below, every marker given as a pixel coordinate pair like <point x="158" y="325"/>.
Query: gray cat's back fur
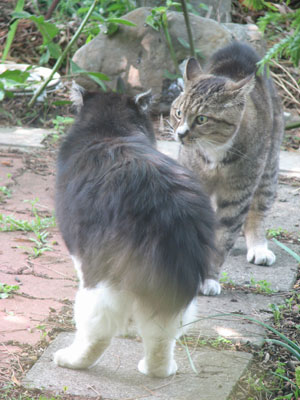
<point x="229" y="120"/>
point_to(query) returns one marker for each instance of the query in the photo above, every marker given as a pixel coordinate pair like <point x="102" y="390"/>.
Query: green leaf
<point x="111" y="28"/>
<point x="48" y="30"/>
<point x="82" y="10"/>
<point x="297" y="374"/>
<point x="204" y="6"/>
<point x="170" y="76"/>
<point x="89" y="38"/>
<point x="21" y="14"/>
<point x="75" y="69"/>
<point x="151" y="22"/>
<point x="44" y="57"/>
<point x="15" y="75"/>
<point x="120" y="21"/>
<point x="51" y="29"/>
<point x="37" y="19"/>
<point x="98" y="75"/>
<point x="78" y="70"/>
<point x="160" y="10"/>
<point x="171" y="3"/>
<point x="2" y="94"/>
<point x="96" y="79"/>
<point x="54" y="49"/>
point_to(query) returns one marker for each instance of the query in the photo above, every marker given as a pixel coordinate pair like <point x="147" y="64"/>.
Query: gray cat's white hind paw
<point x="260" y="255"/>
<point x="67" y="358"/>
<point x="210" y="287"/>
<point x="158" y="372"/>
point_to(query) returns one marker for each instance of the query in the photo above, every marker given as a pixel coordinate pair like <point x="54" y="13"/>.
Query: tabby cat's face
<point x="209" y="110"/>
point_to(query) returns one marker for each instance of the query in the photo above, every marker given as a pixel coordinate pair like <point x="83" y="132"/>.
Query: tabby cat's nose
<point x="183" y="131"/>
<point x="181" y="135"/>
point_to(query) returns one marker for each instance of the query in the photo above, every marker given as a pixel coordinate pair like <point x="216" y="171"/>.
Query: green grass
<point x="226" y="279"/>
<point x="37" y="225"/>
<point x="275" y="232"/>
<point x="5" y="191"/>
<point x="8" y="223"/>
<point x="7" y="290"/>
<point x="261" y="286"/>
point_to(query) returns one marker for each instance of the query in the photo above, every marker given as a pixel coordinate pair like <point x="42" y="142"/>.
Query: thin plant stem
<point x="63" y="55"/>
<point x="188" y="28"/>
<point x="293" y="125"/>
<point x="12" y="31"/>
<point x="170" y="45"/>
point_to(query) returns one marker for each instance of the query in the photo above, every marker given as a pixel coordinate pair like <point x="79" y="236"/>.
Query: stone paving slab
<point x="280" y="276"/>
<point x="290" y="163"/>
<point x="17" y="137"/>
<point x="116" y="377"/>
<point x="236" y="329"/>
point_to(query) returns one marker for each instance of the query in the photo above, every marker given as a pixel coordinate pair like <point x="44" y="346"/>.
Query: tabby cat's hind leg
<point x="159" y="334"/>
<point x="100" y="313"/>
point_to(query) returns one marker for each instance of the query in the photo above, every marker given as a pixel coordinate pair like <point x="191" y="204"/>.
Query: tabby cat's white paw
<point x="210" y="287"/>
<point x="67" y="358"/>
<point x="260" y="255"/>
<point x="159" y="372"/>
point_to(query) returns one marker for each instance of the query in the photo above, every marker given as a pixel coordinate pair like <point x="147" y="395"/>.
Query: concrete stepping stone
<point x="19" y="138"/>
<point x="116" y="377"/>
<point x="290" y="163"/>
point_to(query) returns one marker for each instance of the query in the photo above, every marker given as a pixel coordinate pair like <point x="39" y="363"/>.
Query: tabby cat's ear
<point x="192" y="69"/>
<point x="143" y="100"/>
<point x="243" y="86"/>
<point x="76" y="95"/>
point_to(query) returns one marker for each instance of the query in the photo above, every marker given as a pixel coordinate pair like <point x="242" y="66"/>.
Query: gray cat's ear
<point x="243" y="86"/>
<point x="144" y="100"/>
<point x="192" y="69"/>
<point x="76" y="95"/>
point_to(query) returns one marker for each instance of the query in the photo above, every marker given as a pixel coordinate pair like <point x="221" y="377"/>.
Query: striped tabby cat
<point x="229" y="121"/>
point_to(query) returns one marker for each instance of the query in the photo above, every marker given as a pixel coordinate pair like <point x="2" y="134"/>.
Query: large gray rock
<point x="220" y="10"/>
<point x="140" y="55"/>
<point x="248" y="33"/>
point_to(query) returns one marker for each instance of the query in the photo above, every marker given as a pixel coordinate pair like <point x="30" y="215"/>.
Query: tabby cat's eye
<point x="178" y="114"/>
<point x="201" y="119"/>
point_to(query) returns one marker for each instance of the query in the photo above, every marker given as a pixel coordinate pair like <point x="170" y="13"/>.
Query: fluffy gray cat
<point x="139" y="229"/>
<point x="230" y="123"/>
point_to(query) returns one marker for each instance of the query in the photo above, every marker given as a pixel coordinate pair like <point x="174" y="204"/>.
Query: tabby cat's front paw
<point x="260" y="255"/>
<point x="210" y="287"/>
<point x="159" y="372"/>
